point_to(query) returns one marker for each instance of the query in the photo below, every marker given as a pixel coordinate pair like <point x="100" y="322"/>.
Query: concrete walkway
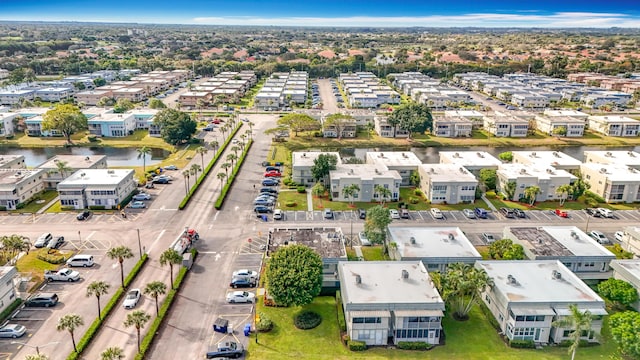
<point x="50" y="204"/>
<point x="309" y="200"/>
<point x="489" y="204"/>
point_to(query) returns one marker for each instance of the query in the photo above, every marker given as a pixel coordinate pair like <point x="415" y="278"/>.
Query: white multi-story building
<point x="452" y="127"/>
<point x="447" y="183"/>
<point x="578" y="251"/>
<point x="404" y="162"/>
<point x="573" y="127"/>
<point x="615" y="183"/>
<point x="12" y="162"/>
<point x="367" y="177"/>
<point x="567" y="113"/>
<point x="103" y="188"/>
<point x="528" y="297"/>
<point x="19" y="186"/>
<point x="543" y="159"/>
<point x="303" y="161"/>
<point x="627" y="158"/>
<point x="6" y="123"/>
<point x="11" y="97"/>
<point x="7" y="286"/>
<point x="53" y="175"/>
<point x="384" y="129"/>
<point x="614" y="125"/>
<point x="547" y="179"/>
<point x="54" y="94"/>
<point x="112" y="124"/>
<point x="506" y="126"/>
<point x="474" y="161"/>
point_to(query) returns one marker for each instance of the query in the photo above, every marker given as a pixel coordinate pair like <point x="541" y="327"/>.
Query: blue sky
<point x="379" y="13"/>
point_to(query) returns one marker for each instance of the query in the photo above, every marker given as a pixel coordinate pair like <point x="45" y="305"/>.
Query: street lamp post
<point x="139" y="245"/>
<point x="35" y="347"/>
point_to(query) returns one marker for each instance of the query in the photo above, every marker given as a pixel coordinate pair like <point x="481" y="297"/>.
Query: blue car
<point x="269" y="182"/>
<point x="263" y="202"/>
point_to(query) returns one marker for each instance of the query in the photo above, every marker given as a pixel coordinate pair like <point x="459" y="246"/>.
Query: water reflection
<point x="115" y="156"/>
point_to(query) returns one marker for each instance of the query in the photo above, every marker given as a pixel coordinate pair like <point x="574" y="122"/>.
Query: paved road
<point x="329" y="103"/>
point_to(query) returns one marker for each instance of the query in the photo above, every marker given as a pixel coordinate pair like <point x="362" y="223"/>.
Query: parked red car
<point x="562" y="213"/>
<point x="272" y="174"/>
<point x="216" y="121"/>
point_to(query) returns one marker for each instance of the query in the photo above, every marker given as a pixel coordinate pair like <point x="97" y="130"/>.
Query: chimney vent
<point x="358" y="279"/>
<point x="405" y="274"/>
<point x="412" y="240"/>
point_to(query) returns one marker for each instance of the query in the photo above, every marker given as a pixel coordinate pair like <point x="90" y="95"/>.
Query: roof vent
<point x="110" y="172"/>
<point x="550" y="171"/>
<point x="451" y="237"/>
<point x="463" y="170"/>
<point x="304" y="154"/>
<point x="608" y="154"/>
<point x="511" y="279"/>
<point x="555" y="153"/>
<point x="405" y="155"/>
<point x="87" y="158"/>
<point x="631" y="154"/>
<point x="533" y="154"/>
<point x="456" y="155"/>
<point x="377" y="171"/>
<point x="556" y="274"/>
<point x="405" y="274"/>
<point x="412" y="240"/>
<point x="358" y="279"/>
<point x="480" y="155"/>
<point x="523" y="171"/>
<point x="603" y="171"/>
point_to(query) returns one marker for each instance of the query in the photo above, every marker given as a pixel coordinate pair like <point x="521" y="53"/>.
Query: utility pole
<point x="139" y="245"/>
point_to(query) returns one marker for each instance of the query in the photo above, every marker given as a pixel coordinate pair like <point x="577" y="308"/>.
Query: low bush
<point x="414" y="345"/>
<point x="301" y="189"/>
<point x="10" y="309"/>
<point x="342" y="323"/>
<point x="51" y="256"/>
<point x="3" y="208"/>
<point x="522" y="344"/>
<point x="306" y="320"/>
<point x="92" y="138"/>
<point x="487" y="313"/>
<point x="290" y="203"/>
<point x="264" y="324"/>
<point x="417" y="192"/>
<point x="96" y="207"/>
<point x="20" y="206"/>
<point x="357" y="345"/>
<point x="67" y="207"/>
<point x="583" y="343"/>
<point x="414" y="200"/>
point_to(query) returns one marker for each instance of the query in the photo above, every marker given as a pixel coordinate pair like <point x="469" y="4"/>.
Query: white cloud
<point x="524" y="19"/>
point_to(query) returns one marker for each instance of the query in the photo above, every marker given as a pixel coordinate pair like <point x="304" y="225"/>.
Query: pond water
<point x="115" y="156"/>
<point x="431" y="155"/>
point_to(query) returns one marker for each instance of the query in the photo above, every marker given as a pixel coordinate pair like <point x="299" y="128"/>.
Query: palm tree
<point x="112" y="353"/>
<point x="579" y="322"/>
<point x="461" y="286"/>
<point x="249" y="133"/>
<point x="13" y="244"/>
<point x="195" y="168"/>
<point x="250" y="127"/>
<point x="226" y="167"/>
<point x="170" y="257"/>
<point x="383" y="193"/>
<point x="36" y="357"/>
<point x="137" y="319"/>
<point x="232" y="158"/>
<point x="120" y="253"/>
<point x="223" y="129"/>
<point x="202" y="150"/>
<point x="235" y="150"/>
<point x="349" y="192"/>
<point x="214" y="144"/>
<point x="97" y="289"/>
<point x="62" y="168"/>
<point x="563" y="191"/>
<point x="142" y="153"/>
<point x="186" y="174"/>
<point x="155" y="289"/>
<point x="70" y="323"/>
<point x="221" y="176"/>
<point x="531" y="192"/>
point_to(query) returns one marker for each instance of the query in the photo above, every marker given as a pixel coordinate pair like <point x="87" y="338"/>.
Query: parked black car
<point x="42" y="300"/>
<point x="519" y="213"/>
<point x="262" y="209"/>
<point x="84" y="215"/>
<point x="242" y="281"/>
<point x="268" y="190"/>
<point x="227" y="349"/>
<point x="362" y="213"/>
<point x="593" y="212"/>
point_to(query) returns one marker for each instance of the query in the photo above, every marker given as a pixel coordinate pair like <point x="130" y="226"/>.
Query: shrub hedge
<point x="583" y="343"/>
<point x="51" y="256"/>
<point x="10" y="309"/>
<point x="414" y="345"/>
<point x="207" y="169"/>
<point x="147" y="341"/>
<point x="342" y="323"/>
<point x="232" y="176"/>
<point x="522" y="344"/>
<point x="306" y="320"/>
<point x="265" y="324"/>
<point x="357" y="345"/>
<point x="115" y="299"/>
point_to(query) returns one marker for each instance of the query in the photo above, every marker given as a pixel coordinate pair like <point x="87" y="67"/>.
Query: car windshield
<point x="131" y="295"/>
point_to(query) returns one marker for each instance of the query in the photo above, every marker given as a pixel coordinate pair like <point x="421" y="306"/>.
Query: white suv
<point x="605" y="212"/>
<point x="436" y="213"/>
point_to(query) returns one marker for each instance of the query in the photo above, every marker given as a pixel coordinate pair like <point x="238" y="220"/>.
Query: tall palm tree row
<point x="70" y="323"/>
<point x="170" y="257"/>
<point x="97" y="289"/>
<point x="112" y="353"/>
<point x="155" y="289"/>
<point x="120" y="253"/>
<point x="137" y="319"/>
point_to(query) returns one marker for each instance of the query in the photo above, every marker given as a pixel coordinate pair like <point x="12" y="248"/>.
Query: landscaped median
<point x="97" y="323"/>
<point x="166" y="305"/>
<point x="229" y="181"/>
<point x="206" y="170"/>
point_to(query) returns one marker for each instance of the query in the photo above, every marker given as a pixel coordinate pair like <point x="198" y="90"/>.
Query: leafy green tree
<point x="70" y="323"/>
<point x="489" y="178"/>
<point x="625" y="330"/>
<point x="13" y="244"/>
<point x="322" y="165"/>
<point x="620" y="292"/>
<point x="142" y="154"/>
<point x="106" y="101"/>
<point x="186" y="175"/>
<point x="350" y="191"/>
<point x="137" y="319"/>
<point x="414" y="178"/>
<point x="65" y="118"/>
<point x="505" y="249"/>
<point x="530" y="192"/>
<point x="120" y="253"/>
<point x="375" y="225"/>
<point x="156" y="104"/>
<point x="112" y="353"/>
<point x="412" y="117"/>
<point x="294" y="275"/>
<point x="579" y="187"/>
<point x="62" y="167"/>
<point x="461" y="286"/>
<point x="318" y="190"/>
<point x="176" y="126"/>
<point x="506" y="156"/>
<point x="123" y="105"/>
<point x="221" y="176"/>
<point x="563" y="191"/>
<point x="579" y="322"/>
<point x="298" y="122"/>
<point x="99" y="82"/>
<point x="155" y="289"/>
<point x="98" y="288"/>
<point x="560" y="131"/>
<point x="170" y="257"/>
<point x="509" y="189"/>
<point x="339" y="122"/>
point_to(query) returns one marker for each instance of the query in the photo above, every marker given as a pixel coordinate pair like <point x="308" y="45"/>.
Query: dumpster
<point x="247" y="329"/>
<point x="221" y="325"/>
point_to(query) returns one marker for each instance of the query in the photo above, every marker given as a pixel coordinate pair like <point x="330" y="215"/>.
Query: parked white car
<point x="240" y="297"/>
<point x="599" y="236"/>
<point x="619" y="235"/>
<point x="436" y="213"/>
<point x="133" y="296"/>
<point x="605" y="212"/>
<point x="394" y="214"/>
<point x="364" y="240"/>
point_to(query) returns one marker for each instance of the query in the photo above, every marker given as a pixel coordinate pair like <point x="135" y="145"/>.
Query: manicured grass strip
<point x="206" y="171"/>
<point x="229" y="182"/>
<point x="147" y="341"/>
<point x="115" y="299"/>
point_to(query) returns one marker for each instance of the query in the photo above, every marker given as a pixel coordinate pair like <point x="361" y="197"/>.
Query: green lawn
<point x="373" y="253"/>
<point x="38" y="202"/>
<point x="30" y="264"/>
<point x="292" y="195"/>
<point x="472" y="339"/>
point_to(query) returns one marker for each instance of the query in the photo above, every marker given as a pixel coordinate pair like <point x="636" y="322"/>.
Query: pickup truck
<point x="61" y="275"/>
<point x="227" y="349"/>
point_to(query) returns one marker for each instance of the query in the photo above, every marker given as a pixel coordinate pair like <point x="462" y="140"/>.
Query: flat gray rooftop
<point x="535" y="281"/>
<point x="558" y="241"/>
<point x="327" y="242"/>
<point x="432" y="242"/>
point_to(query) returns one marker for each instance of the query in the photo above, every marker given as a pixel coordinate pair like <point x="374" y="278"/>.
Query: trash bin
<point x="247" y="329"/>
<point x="221" y="325"/>
<point x="264" y="218"/>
